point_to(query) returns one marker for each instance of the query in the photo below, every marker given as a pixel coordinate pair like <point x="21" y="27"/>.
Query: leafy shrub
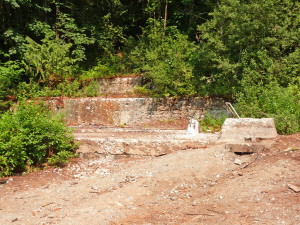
<point x="163" y="56"/>
<point x="70" y="89"/>
<point x="50" y="57"/>
<point x="29" y="135"/>
<point x="34" y="90"/>
<point x="212" y="123"/>
<point x="98" y="71"/>
<point x="27" y="90"/>
<point x="10" y="76"/>
<point x="60" y="158"/>
<point x="56" y="56"/>
<point x="92" y="90"/>
<point x="142" y="90"/>
<point x="272" y="100"/>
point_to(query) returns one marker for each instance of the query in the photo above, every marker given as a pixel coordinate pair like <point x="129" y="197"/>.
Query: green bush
<point x="163" y="56"/>
<point x="50" y="57"/>
<point x="92" y="90"/>
<point x="260" y="38"/>
<point x="10" y="76"/>
<point x="70" y="89"/>
<point x="211" y="122"/>
<point x="34" y="90"/>
<point x="272" y="100"/>
<point x="142" y="90"/>
<point x="29" y="135"/>
<point x="98" y="71"/>
<point x="60" y="158"/>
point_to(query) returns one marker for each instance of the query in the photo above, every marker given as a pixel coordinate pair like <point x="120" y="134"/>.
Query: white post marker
<point x="193" y="127"/>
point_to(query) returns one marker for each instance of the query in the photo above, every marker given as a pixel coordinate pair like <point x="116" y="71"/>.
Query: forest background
<point x="245" y="50"/>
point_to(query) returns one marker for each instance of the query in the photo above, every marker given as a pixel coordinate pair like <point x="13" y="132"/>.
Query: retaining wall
<point x="115" y="111"/>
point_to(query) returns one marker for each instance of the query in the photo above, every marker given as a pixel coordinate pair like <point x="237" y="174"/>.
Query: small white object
<point x="193" y="127"/>
<point x="237" y="162"/>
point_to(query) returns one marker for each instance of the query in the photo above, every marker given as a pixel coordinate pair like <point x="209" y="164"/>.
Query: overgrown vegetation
<point x="30" y="136"/>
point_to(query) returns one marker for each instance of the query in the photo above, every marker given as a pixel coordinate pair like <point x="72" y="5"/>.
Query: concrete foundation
<point x="114" y="141"/>
<point x="116" y="111"/>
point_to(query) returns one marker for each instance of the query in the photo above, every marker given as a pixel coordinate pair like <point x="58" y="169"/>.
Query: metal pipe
<point x="231" y="108"/>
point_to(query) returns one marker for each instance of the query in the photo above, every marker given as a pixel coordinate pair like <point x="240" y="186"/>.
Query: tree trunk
<point x="56" y="25"/>
<point x="166" y="15"/>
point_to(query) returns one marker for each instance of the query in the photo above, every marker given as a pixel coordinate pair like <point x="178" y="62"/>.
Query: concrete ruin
<point x="247" y="129"/>
<point x="248" y="135"/>
<point x="97" y="120"/>
<point x="124" y="141"/>
<point x="106" y="113"/>
<point x="116" y="111"/>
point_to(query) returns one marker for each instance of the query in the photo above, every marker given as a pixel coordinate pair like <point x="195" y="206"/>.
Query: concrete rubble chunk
<point x="245" y="148"/>
<point x="237" y="162"/>
<point x="245" y="130"/>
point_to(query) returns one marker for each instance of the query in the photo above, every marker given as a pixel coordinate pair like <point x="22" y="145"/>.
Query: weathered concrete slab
<point x="138" y="142"/>
<point x="245" y="130"/>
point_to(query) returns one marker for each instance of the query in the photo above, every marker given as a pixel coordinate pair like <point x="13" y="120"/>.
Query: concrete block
<point x="245" y="130"/>
<point x="245" y="148"/>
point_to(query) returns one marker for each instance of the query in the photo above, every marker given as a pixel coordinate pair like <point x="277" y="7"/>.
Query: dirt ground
<point x="193" y="186"/>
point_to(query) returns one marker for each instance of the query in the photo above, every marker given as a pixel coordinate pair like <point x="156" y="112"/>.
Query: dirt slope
<point x="194" y="186"/>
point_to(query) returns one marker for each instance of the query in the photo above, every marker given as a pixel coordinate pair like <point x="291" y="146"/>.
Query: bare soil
<point x="191" y="186"/>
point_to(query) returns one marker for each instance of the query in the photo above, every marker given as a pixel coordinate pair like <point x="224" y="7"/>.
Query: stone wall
<point x="119" y="85"/>
<point x="115" y="111"/>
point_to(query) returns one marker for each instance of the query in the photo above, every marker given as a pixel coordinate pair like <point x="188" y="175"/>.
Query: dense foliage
<point x="251" y="51"/>
<point x="244" y="50"/>
<point x="29" y="136"/>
